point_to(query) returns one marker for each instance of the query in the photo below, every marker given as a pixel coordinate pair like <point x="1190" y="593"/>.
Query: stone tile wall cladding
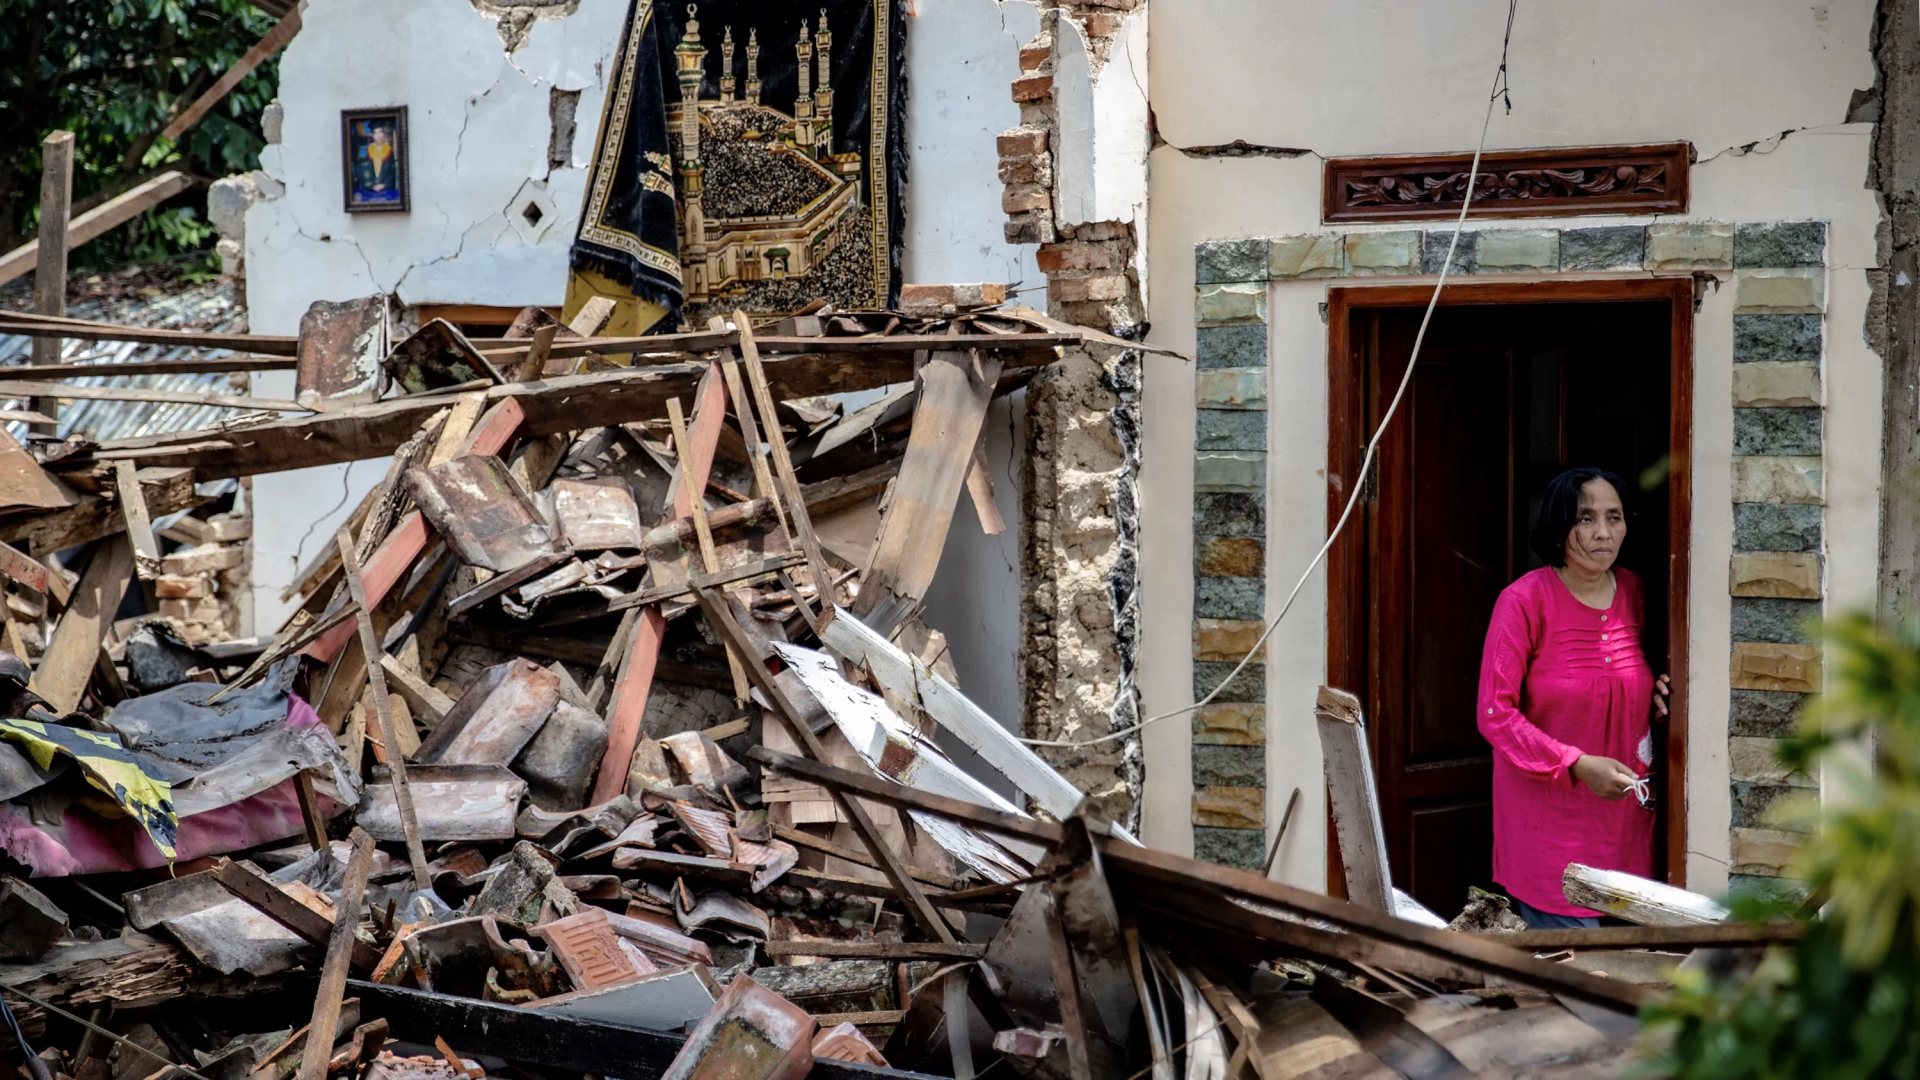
<point x="1777" y="573"/>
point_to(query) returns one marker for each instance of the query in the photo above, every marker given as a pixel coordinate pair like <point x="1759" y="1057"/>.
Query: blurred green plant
<point x="1844" y="1002"/>
<point x="114" y="72"/>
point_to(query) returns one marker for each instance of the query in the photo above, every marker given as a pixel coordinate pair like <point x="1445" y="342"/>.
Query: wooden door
<point x="1516" y="383"/>
<point x="1441" y="533"/>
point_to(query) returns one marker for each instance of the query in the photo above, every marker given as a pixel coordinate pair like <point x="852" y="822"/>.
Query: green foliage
<point x="1845" y="1001"/>
<point x="114" y="72"/>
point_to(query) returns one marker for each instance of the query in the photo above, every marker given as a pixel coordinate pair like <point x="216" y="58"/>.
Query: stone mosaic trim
<point x="1779" y="267"/>
<point x="1776" y="575"/>
<point x="1230" y="564"/>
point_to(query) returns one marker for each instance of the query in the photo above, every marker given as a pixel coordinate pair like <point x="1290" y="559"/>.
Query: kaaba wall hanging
<point x="751" y="155"/>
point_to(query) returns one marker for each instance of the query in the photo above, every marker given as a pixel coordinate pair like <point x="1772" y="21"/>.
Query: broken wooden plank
<point x="1351" y="796"/>
<point x="876" y="950"/>
<point x="50" y="271"/>
<point x="1637" y="899"/>
<point x="340" y="948"/>
<point x="956" y="386"/>
<point x="16" y="566"/>
<point x="696" y="503"/>
<point x="272" y="42"/>
<point x="228" y="364"/>
<point x="312" y="819"/>
<point x="376" y="675"/>
<point x="980" y="490"/>
<point x="133" y="505"/>
<point x="37" y="325"/>
<point x="1680" y="938"/>
<point x="561" y="403"/>
<point x="800" y="519"/>
<point x="421" y="696"/>
<point x="799" y="838"/>
<point x="264" y="895"/>
<point x="95" y="517"/>
<point x="100" y="220"/>
<point x="68" y="664"/>
<point x="1073" y="1018"/>
<point x="40" y="391"/>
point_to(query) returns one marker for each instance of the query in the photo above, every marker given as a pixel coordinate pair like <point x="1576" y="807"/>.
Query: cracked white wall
<point x="961" y="57"/>
<point x="1385" y="78"/>
<point x="479" y="130"/>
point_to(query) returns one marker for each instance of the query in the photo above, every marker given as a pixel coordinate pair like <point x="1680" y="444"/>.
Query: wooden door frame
<point x="1346" y="440"/>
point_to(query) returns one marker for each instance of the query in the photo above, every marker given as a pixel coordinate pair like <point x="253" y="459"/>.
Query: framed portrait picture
<point x="373" y="159"/>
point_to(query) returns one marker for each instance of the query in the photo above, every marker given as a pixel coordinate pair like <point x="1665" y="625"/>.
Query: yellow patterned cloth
<point x="133" y="784"/>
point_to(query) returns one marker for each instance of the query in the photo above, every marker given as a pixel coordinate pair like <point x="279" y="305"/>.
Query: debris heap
<point x="606" y="740"/>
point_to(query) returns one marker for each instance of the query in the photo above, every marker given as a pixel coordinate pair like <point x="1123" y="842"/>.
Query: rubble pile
<point x="606" y="741"/>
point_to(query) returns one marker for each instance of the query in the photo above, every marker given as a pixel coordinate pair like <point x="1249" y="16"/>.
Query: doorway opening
<point x="1515" y="384"/>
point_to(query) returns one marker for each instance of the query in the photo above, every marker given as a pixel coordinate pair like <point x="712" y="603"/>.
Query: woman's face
<point x="1598" y="530"/>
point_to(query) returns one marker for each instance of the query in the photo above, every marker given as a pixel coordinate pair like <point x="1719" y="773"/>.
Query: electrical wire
<point x="85" y="1023"/>
<point x="1500" y="94"/>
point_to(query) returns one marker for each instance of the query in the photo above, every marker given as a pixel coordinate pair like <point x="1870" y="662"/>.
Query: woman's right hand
<point x="1608" y="778"/>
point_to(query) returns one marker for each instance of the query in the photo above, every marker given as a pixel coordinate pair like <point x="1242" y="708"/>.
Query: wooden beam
<point x="1145" y="869"/>
<point x="895" y="794"/>
<point x="798" y="838"/>
<point x="789" y="484"/>
<point x="68" y="664"/>
<point x="95" y="517"/>
<point x="266" y="897"/>
<point x="956" y="386"/>
<point x="1637" y="899"/>
<point x="1351" y="796"/>
<point x="1664" y="938"/>
<point x="383" y="709"/>
<point x="418" y="693"/>
<point x="54" y="391"/>
<point x="133" y="509"/>
<point x="634" y="683"/>
<point x="340" y="946"/>
<point x="98" y="221"/>
<point x="877" y="950"/>
<point x="561" y="403"/>
<point x="37" y="325"/>
<point x="50" y="258"/>
<point x="31" y="372"/>
<point x="274" y="40"/>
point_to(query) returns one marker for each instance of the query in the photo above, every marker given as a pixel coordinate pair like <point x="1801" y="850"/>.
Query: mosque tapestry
<point x="751" y="155"/>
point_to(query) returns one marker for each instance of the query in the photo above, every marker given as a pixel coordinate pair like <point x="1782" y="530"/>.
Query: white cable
<point x="1373" y="444"/>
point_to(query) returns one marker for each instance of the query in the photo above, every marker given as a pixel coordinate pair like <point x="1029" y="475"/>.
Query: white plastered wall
<point x="1724" y="75"/>
<point x="479" y="127"/>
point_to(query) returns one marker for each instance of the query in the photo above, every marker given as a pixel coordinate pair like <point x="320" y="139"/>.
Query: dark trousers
<point x="1547" y="920"/>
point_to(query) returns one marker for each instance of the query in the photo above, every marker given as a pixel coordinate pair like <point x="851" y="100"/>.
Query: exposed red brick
<point x="1032" y="87"/>
<point x="1101" y="230"/>
<point x="1019" y="202"/>
<point x="925" y="295"/>
<point x="1102" y="25"/>
<point x="1021" y="142"/>
<point x="1069" y="290"/>
<point x="1033" y="56"/>
<point x="1079" y="256"/>
<point x="1037" y="169"/>
<point x="1030" y="229"/>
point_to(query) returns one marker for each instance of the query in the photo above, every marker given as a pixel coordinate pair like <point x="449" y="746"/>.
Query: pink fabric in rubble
<point x="85" y="842"/>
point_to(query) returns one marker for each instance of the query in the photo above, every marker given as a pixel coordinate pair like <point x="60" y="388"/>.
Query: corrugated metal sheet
<point x="209" y="307"/>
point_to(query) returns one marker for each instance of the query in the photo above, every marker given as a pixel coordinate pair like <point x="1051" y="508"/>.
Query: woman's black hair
<point x="1560" y="509"/>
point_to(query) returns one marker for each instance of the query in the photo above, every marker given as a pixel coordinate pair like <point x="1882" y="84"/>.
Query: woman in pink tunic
<point x="1567" y="700"/>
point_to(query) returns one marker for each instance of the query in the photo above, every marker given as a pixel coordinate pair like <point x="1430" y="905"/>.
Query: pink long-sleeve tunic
<point x="1558" y="680"/>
